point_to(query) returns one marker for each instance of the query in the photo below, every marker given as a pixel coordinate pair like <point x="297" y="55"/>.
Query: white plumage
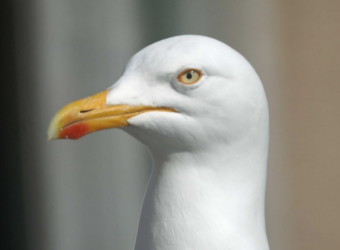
<point x="208" y="183"/>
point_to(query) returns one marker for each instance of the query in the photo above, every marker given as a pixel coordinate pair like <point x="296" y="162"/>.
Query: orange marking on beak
<point x="74" y="131"/>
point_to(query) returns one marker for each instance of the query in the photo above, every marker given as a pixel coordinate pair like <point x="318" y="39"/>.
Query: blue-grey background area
<point x="87" y="194"/>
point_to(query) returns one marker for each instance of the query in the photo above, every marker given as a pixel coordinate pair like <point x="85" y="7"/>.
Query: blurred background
<point x="87" y="194"/>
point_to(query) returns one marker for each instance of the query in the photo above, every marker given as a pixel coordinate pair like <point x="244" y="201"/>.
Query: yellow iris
<point x="189" y="76"/>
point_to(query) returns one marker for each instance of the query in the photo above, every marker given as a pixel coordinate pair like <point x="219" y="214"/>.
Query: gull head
<point x="186" y="92"/>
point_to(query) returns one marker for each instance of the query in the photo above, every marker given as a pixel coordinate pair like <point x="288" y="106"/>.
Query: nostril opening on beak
<point x="85" y="111"/>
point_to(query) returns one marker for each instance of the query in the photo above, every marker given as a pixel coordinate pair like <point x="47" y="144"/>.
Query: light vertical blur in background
<point x="87" y="194"/>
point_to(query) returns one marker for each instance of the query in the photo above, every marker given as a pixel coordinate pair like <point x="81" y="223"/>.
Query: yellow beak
<point x="92" y="114"/>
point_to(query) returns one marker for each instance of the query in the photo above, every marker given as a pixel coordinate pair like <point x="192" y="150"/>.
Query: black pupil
<point x="189" y="75"/>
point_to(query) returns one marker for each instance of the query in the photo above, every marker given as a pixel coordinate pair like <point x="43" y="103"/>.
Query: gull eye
<point x="189" y="76"/>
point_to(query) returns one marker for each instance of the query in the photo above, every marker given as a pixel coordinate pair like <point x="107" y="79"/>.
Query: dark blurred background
<point x="87" y="194"/>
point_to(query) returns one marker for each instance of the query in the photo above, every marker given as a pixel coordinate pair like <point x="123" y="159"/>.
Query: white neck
<point x="205" y="200"/>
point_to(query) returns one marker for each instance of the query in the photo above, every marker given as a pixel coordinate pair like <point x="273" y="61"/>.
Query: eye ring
<point x="189" y="76"/>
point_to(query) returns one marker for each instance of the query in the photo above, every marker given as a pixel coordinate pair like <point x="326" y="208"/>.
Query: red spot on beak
<point x="74" y="131"/>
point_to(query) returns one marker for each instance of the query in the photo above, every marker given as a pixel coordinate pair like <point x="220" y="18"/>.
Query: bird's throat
<point x="193" y="203"/>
